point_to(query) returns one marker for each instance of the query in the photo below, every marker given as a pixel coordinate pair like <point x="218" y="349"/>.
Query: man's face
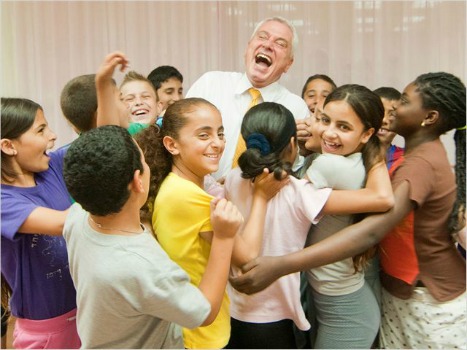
<point x="269" y="53"/>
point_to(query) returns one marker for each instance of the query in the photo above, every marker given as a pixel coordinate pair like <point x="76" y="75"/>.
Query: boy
<point x="168" y="82"/>
<point x="128" y="291"/>
<point x="390" y="98"/>
<point x="139" y="96"/>
<point x="79" y="102"/>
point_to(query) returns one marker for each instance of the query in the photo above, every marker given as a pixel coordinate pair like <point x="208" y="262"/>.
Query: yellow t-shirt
<point x="181" y="212"/>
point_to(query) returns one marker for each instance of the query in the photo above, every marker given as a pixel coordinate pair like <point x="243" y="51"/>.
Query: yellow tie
<point x="241" y="146"/>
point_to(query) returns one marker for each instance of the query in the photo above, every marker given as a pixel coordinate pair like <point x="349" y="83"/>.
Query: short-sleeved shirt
<point x="181" y="211"/>
<point x="36" y="265"/>
<point x="228" y="91"/>
<point x="289" y="215"/>
<point x="435" y="260"/>
<point x="339" y="173"/>
<point x="129" y="292"/>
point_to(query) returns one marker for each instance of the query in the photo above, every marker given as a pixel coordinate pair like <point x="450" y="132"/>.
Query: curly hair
<point x="98" y="167"/>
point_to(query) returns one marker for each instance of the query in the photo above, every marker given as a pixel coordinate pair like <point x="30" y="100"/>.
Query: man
<point x="269" y="54"/>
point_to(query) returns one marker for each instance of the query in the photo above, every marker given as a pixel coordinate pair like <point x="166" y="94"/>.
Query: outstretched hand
<point x="257" y="275"/>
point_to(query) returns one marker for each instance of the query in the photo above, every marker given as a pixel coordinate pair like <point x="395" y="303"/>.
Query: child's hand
<point x="266" y="186"/>
<point x="225" y="218"/>
<point x="111" y="61"/>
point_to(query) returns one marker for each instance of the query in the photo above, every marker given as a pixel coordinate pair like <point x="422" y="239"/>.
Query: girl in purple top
<point x="34" y="206"/>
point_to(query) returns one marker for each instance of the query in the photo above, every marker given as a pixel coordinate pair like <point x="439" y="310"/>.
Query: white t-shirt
<point x="288" y="218"/>
<point x="340" y="173"/>
<point x="129" y="293"/>
<point x="228" y="91"/>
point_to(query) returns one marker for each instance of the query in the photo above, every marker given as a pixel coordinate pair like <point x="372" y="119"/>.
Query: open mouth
<point x="262" y="58"/>
<point x="140" y="112"/>
<point x="330" y="146"/>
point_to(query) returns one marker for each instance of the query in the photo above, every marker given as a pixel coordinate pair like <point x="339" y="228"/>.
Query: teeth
<point x="211" y="155"/>
<point x="263" y="58"/>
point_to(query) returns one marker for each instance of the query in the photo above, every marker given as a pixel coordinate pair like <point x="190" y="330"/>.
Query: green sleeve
<point x="135" y="128"/>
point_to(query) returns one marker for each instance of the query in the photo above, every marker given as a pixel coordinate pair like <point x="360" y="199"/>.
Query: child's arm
<point x="248" y="243"/>
<point x="107" y="108"/>
<point x="225" y="220"/>
<point x="343" y="244"/>
<point x="44" y="221"/>
<point x="377" y="196"/>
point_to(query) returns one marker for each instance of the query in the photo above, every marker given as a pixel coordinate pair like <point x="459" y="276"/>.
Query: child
<point x="390" y="98"/>
<point x="347" y="310"/>
<point x="79" y="101"/>
<point x="316" y="89"/>
<point x="265" y="320"/>
<point x="423" y="274"/>
<point x="128" y="290"/>
<point x="140" y="97"/>
<point x="168" y="82"/>
<point x="34" y="207"/>
<point x="181" y="153"/>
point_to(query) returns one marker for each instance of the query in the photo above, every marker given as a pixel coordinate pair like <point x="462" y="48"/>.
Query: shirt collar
<point x="268" y="93"/>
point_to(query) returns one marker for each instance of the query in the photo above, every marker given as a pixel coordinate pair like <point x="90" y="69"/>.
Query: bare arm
<point x="377" y="196"/>
<point x="226" y="220"/>
<point x="345" y="243"/>
<point x="248" y="243"/>
<point x="44" y="221"/>
<point x="107" y="108"/>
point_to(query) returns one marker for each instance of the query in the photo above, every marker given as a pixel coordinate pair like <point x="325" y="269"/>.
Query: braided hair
<point x="445" y="93"/>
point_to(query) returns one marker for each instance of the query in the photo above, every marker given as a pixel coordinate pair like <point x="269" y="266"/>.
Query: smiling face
<point x="31" y="147"/>
<point x="341" y="130"/>
<point x="384" y="134"/>
<point x="140" y="98"/>
<point x="316" y="92"/>
<point x="170" y="91"/>
<point x="269" y="53"/>
<point x="199" y="145"/>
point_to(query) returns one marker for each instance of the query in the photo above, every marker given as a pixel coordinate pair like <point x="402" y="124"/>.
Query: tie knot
<point x="254" y="93"/>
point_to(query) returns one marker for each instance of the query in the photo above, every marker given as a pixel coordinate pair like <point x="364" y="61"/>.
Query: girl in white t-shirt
<point x="265" y="319"/>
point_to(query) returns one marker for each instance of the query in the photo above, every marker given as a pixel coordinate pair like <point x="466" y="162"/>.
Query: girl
<point x="34" y="207"/>
<point x="265" y="320"/>
<point x="423" y="301"/>
<point x="180" y="154"/>
<point x="346" y="309"/>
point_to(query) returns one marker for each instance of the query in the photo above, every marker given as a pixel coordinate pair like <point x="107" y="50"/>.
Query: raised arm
<point x="225" y="220"/>
<point x="108" y="111"/>
<point x="249" y="241"/>
<point x="345" y="243"/>
<point x="376" y="197"/>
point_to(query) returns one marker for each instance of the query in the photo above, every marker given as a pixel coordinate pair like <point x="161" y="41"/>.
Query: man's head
<point x="168" y="82"/>
<point x="270" y="51"/>
<point x="103" y="168"/>
<point x="78" y="101"/>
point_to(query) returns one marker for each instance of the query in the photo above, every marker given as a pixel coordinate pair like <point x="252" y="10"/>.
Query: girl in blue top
<point x="34" y="206"/>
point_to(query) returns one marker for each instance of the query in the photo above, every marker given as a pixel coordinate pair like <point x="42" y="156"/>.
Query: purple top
<point x="36" y="265"/>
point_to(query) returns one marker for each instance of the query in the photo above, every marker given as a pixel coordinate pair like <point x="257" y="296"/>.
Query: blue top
<point x="36" y="265"/>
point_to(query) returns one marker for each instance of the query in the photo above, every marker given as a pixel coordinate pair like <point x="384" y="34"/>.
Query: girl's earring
<point x="423" y="123"/>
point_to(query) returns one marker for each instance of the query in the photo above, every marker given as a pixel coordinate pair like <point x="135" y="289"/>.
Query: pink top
<point x="288" y="218"/>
